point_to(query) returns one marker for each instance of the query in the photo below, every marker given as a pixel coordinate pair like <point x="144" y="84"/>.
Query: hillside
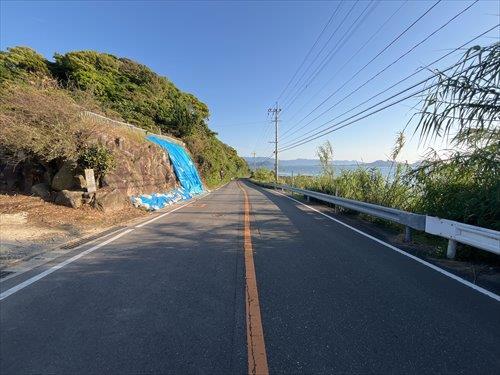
<point x="126" y="90"/>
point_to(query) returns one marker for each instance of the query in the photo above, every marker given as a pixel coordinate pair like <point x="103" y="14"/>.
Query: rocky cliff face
<point x="140" y="167"/>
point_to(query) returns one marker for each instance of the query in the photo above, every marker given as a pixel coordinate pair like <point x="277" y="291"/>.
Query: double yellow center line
<point x="256" y="348"/>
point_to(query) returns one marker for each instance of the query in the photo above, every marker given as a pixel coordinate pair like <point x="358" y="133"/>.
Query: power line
<point x="329" y="56"/>
<point x="308" y="138"/>
<point x="263" y="134"/>
<point x="369" y="62"/>
<point x="350" y="59"/>
<point x="406" y="78"/>
<point x="310" y="50"/>
<point x="337" y="126"/>
<point x="321" y="50"/>
<point x="268" y="149"/>
<point x="374" y="76"/>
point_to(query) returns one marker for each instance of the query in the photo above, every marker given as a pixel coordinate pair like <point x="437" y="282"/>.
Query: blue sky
<point x="238" y="56"/>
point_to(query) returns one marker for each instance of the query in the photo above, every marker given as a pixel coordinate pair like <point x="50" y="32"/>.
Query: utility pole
<point x="253" y="153"/>
<point x="275" y="112"/>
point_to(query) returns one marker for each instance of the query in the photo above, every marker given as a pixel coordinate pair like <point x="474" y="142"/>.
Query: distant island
<point x="300" y="163"/>
<point x="312" y="167"/>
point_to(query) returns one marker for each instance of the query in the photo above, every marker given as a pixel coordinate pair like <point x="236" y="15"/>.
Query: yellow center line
<point x="256" y="348"/>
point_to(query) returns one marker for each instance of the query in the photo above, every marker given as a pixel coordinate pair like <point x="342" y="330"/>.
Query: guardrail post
<point x="407" y="234"/>
<point x="452" y="249"/>
<point x="307" y="198"/>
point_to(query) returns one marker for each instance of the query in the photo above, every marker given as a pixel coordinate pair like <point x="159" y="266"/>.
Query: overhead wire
<point x="341" y="124"/>
<point x="344" y="18"/>
<point x="370" y="7"/>
<point x="373" y="35"/>
<point x="310" y="51"/>
<point x="374" y="76"/>
<point x="386" y="47"/>
<point x="426" y="67"/>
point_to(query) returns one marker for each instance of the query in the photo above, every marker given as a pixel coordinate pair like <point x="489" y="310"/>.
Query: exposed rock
<point x="88" y="198"/>
<point x="119" y="142"/>
<point x="141" y="167"/>
<point x="41" y="190"/>
<point x="63" y="179"/>
<point x="10" y="176"/>
<point x="80" y="182"/>
<point x="28" y="175"/>
<point x="69" y="198"/>
<point x="110" y="200"/>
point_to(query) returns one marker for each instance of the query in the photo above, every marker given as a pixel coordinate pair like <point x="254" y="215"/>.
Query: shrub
<point x="263" y="174"/>
<point x="217" y="162"/>
<point x="20" y="62"/>
<point x="461" y="190"/>
<point x="97" y="157"/>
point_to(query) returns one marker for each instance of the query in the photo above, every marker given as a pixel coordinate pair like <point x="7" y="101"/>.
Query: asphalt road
<point x="171" y="297"/>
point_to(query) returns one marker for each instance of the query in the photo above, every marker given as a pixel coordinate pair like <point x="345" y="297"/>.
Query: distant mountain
<point x="265" y="162"/>
<point x="261" y="161"/>
<point x="313" y="166"/>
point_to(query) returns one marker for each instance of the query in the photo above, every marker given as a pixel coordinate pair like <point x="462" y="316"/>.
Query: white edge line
<point x="24" y="270"/>
<point x="41" y="275"/>
<point x="430" y="265"/>
<point x="33" y="279"/>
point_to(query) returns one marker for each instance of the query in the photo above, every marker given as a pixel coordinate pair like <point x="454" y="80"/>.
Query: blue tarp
<point x="186" y="173"/>
<point x="156" y="201"/>
<point x="184" y="168"/>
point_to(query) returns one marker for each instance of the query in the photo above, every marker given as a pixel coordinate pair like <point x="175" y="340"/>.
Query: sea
<point x="312" y="170"/>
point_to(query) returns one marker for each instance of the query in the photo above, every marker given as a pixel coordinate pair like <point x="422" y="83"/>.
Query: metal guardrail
<point x="454" y="231"/>
<point x="482" y="238"/>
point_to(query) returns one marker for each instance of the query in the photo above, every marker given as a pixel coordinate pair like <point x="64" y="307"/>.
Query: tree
<point x="463" y="183"/>
<point x="465" y="105"/>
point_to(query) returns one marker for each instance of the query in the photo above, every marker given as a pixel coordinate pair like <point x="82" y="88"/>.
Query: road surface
<point x="244" y="281"/>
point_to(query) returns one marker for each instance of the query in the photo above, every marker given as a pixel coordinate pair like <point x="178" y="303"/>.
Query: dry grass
<point x="40" y="119"/>
<point x="48" y="225"/>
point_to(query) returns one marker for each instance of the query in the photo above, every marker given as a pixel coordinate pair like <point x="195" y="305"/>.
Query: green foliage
<point x="217" y="162"/>
<point x="263" y="174"/>
<point x="462" y="187"/>
<point x="20" y="62"/>
<point x="133" y="90"/>
<point x="464" y="183"/>
<point x="366" y="185"/>
<point x="325" y="155"/>
<point x="97" y="157"/>
<point x="465" y="101"/>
